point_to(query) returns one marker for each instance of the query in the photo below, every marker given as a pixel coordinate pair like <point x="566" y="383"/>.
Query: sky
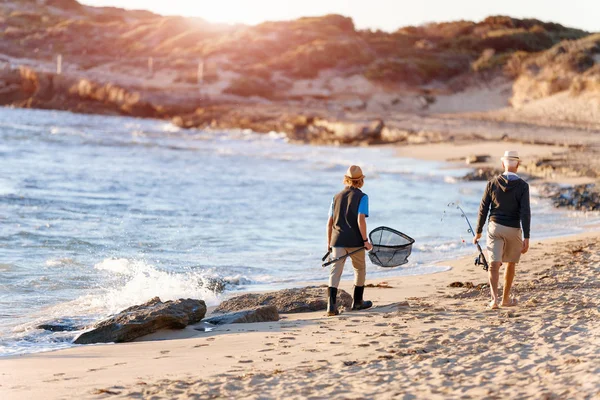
<point x="375" y="14"/>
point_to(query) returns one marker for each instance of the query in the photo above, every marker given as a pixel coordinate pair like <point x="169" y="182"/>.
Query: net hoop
<point x="391" y="251"/>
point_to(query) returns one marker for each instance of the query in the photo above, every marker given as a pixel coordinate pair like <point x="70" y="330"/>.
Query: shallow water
<point x="100" y="213"/>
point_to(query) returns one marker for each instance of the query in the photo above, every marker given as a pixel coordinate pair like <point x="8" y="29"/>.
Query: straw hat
<point x="510" y="155"/>
<point x="354" y="173"/>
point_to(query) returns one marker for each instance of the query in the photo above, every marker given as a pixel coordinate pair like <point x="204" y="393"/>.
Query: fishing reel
<point x="480" y="260"/>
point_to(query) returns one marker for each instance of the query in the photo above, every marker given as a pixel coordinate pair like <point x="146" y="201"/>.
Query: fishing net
<point x="390" y="247"/>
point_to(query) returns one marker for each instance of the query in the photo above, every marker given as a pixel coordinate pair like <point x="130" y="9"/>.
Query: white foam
<point x="169" y="127"/>
<point x="142" y="281"/>
<point x="118" y="265"/>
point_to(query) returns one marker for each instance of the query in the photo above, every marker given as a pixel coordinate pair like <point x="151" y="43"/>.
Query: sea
<point x="100" y="213"/>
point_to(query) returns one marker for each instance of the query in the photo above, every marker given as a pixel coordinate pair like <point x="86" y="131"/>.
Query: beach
<point x="159" y="168"/>
<point x="422" y="339"/>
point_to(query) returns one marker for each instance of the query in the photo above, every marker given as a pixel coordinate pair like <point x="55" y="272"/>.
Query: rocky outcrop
<point x="299" y="128"/>
<point x="144" y="319"/>
<point x="257" y="314"/>
<point x="25" y="87"/>
<point x="579" y="197"/>
<point x="482" y="174"/>
<point x="287" y="301"/>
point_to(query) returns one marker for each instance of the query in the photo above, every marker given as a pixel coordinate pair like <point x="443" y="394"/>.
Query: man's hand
<point x="525" y="246"/>
<point x="476" y="238"/>
<point x="368" y="246"/>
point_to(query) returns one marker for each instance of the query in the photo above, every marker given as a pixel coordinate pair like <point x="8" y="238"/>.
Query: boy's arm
<point x="329" y="230"/>
<point x="362" y="224"/>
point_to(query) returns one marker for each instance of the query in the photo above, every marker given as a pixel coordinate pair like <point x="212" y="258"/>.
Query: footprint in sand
<point x="201" y="345"/>
<point x="245" y="361"/>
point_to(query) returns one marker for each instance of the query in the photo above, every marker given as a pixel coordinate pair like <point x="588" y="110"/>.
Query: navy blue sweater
<point x="507" y="201"/>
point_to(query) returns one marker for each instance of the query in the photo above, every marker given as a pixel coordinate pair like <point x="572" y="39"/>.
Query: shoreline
<point x="437" y="154"/>
<point x="251" y="349"/>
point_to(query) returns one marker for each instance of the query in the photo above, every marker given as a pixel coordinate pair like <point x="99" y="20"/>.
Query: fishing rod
<point x="480" y="259"/>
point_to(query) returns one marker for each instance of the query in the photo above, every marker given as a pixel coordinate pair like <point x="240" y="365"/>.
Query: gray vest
<point x="346" y="232"/>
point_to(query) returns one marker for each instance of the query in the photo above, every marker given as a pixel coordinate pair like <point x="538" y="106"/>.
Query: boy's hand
<point x="368" y="246"/>
<point x="476" y="238"/>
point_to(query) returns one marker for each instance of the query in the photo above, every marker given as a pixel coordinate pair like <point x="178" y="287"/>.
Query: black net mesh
<point x="390" y="247"/>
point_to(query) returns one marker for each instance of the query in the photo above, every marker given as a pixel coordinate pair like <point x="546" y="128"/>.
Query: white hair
<point x="510" y="163"/>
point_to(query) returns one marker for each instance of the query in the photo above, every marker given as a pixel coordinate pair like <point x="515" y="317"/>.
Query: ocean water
<point x="101" y="213"/>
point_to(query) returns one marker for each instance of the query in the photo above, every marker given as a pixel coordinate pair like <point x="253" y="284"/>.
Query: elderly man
<point x="506" y="198"/>
<point x="347" y="232"/>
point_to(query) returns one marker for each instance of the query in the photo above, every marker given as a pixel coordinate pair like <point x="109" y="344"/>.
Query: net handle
<point x="342" y="257"/>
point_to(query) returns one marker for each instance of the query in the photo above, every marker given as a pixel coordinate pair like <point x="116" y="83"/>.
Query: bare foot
<point x="493" y="305"/>
<point x="511" y="303"/>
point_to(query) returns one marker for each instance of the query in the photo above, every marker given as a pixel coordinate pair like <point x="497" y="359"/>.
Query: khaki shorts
<point x="504" y="243"/>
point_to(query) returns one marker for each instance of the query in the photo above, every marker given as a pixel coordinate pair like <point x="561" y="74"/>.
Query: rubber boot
<point x="331" y="307"/>
<point x="359" y="303"/>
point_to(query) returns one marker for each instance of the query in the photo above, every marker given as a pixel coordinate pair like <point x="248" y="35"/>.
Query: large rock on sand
<point x="258" y="314"/>
<point x="287" y="301"/>
<point x="144" y="319"/>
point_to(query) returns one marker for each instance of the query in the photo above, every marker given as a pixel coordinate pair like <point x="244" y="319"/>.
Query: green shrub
<point x="308" y="60"/>
<point x="415" y="71"/>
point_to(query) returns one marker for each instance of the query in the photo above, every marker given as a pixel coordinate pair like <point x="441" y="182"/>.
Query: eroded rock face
<point x="287" y="301"/>
<point x="257" y="314"/>
<point x="579" y="197"/>
<point x="144" y="319"/>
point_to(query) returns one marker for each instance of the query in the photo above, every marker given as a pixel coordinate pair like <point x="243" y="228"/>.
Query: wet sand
<point x="423" y="339"/>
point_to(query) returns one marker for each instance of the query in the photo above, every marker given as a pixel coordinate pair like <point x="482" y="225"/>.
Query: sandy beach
<point x="152" y="156"/>
<point x="423" y="339"/>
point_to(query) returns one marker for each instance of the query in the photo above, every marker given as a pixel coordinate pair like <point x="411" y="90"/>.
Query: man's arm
<point x="525" y="218"/>
<point x="362" y="224"/>
<point x="329" y="230"/>
<point x="484" y="208"/>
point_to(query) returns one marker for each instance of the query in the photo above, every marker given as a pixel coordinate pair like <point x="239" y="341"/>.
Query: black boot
<point x="331" y="308"/>
<point x="359" y="303"/>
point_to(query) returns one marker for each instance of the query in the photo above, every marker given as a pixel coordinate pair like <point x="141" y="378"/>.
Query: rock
<point x="477" y="158"/>
<point x="395" y="135"/>
<point x="579" y="197"/>
<point x="61" y="325"/>
<point x="144" y="319"/>
<point x="258" y="314"/>
<point x="467" y="285"/>
<point x="287" y="301"/>
<point x="482" y="174"/>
